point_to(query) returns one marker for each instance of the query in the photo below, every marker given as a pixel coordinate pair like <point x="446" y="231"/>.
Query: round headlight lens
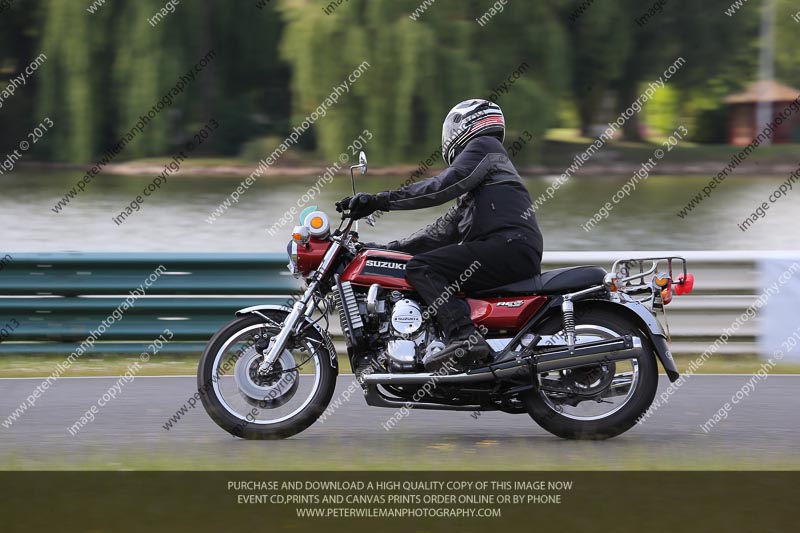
<point x="318" y="224"/>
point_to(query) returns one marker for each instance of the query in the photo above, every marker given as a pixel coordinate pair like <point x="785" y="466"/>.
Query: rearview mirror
<point x="362" y="160"/>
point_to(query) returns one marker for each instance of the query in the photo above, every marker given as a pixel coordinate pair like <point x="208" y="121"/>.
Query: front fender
<point x="257" y="310"/>
<point x="649" y="325"/>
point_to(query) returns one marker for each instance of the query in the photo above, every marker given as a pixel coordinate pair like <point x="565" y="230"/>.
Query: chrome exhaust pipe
<point x="591" y="353"/>
<point x="425" y="377"/>
<point x="559" y="359"/>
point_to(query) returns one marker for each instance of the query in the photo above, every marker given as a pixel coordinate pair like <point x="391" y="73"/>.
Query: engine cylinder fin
<point x="349" y="317"/>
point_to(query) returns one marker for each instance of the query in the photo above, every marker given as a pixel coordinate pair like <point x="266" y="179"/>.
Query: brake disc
<point x="266" y="390"/>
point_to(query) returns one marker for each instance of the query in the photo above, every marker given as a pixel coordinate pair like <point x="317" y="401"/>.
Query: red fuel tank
<point x="388" y="269"/>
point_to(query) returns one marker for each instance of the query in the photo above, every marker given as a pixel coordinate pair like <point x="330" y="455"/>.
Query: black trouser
<point x="472" y="266"/>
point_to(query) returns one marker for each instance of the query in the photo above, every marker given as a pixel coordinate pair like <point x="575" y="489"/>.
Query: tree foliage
<point x="276" y="64"/>
<point x="419" y="68"/>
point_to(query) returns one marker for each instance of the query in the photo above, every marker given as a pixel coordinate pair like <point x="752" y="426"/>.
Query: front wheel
<point x="599" y="401"/>
<point x="275" y="403"/>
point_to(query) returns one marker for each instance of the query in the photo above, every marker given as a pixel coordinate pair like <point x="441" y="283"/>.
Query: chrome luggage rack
<point x="631" y="279"/>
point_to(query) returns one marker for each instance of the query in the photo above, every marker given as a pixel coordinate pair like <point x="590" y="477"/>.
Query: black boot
<point x="466" y="349"/>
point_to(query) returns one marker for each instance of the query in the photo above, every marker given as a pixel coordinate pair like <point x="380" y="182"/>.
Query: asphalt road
<point x="762" y="431"/>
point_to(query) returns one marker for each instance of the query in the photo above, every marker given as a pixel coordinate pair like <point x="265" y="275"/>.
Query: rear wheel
<point x="599" y="401"/>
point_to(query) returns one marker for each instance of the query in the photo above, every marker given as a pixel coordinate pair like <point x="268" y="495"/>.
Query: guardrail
<point x="57" y="299"/>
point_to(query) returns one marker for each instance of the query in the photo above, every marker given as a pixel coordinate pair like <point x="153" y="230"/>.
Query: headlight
<point x="318" y="224"/>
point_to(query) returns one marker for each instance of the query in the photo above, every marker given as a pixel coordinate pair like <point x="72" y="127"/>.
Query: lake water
<point x="174" y="218"/>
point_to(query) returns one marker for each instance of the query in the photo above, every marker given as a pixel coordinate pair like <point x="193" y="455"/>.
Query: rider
<point x="493" y="223"/>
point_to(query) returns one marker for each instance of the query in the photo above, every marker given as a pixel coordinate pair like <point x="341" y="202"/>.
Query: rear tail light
<point x="684" y="285"/>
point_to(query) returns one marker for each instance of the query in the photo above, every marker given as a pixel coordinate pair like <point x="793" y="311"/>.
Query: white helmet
<point x="467" y="120"/>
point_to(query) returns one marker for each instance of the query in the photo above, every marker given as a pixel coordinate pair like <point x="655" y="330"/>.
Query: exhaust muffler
<point x="560" y="358"/>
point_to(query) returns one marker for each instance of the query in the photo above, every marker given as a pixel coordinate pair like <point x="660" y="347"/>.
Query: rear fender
<point x="649" y="325"/>
<point x="259" y="310"/>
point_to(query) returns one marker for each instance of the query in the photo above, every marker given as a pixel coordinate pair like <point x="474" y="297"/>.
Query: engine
<point x="405" y="333"/>
<point x="397" y="325"/>
<point x="411" y="335"/>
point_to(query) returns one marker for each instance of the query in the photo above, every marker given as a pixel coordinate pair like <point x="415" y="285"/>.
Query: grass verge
<point x="545" y="453"/>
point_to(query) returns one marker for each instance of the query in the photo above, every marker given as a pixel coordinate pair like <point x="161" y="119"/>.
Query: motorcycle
<point x="574" y="348"/>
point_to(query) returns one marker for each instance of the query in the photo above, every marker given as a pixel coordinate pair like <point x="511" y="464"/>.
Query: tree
<point x="418" y="69"/>
<point x="71" y="79"/>
<point x="19" y="46"/>
<point x="599" y="43"/>
<point x="106" y="69"/>
<point x="787" y="42"/>
<point x="714" y="46"/>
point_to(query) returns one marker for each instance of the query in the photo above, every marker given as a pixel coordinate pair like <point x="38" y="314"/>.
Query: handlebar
<point x="370" y="220"/>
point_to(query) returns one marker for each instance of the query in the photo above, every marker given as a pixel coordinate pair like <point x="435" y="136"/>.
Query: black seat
<point x="558" y="281"/>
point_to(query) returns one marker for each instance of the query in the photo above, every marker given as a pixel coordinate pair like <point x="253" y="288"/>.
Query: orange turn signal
<point x="666" y="295"/>
<point x="662" y="280"/>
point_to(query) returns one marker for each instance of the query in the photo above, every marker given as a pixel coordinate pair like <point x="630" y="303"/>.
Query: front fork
<point x="302" y="308"/>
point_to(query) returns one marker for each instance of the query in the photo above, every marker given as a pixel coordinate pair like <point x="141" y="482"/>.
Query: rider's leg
<point x="438" y="292"/>
<point x="476" y="265"/>
<point x="452" y="313"/>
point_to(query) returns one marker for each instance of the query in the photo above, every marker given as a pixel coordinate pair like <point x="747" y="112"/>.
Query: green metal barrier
<point x="59" y="298"/>
<point x="56" y="300"/>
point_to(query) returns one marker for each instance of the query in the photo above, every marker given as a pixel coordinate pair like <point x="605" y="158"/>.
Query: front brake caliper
<point x="261" y="345"/>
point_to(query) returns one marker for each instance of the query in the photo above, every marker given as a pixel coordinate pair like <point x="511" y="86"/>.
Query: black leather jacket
<point x="492" y="201"/>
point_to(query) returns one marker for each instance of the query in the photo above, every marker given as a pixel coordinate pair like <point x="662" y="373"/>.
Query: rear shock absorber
<point x="568" y="310"/>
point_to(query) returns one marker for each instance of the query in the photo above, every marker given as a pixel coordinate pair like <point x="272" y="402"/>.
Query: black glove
<point x="363" y="204"/>
<point x="343" y="204"/>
